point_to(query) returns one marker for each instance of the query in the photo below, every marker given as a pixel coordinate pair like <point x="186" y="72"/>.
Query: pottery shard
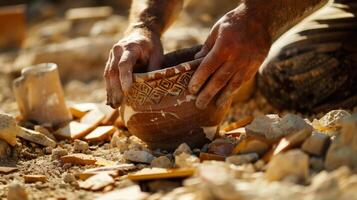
<point x="273" y="127"/>
<point x="183" y="148"/>
<point x="161" y="162"/>
<point x="101" y="133"/>
<point x="251" y="145"/>
<point x="35" y="178"/>
<point x="160" y="173"/>
<point x="6" y="170"/>
<point x="138" y="156"/>
<point x="8" y="129"/>
<point x="36" y="137"/>
<point x="293" y="163"/>
<point x="79" y="159"/>
<point x="343" y="149"/>
<point x="128" y="193"/>
<point x="81" y="109"/>
<point x="316" y="144"/>
<point x="97" y="182"/>
<point x="210" y="156"/>
<point x="242" y="159"/>
<point x="16" y="192"/>
<point x="74" y="130"/>
<point x="114" y="170"/>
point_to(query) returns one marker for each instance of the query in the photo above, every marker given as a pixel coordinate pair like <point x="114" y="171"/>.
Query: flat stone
<point x="252" y="145"/>
<point x="79" y="159"/>
<point x="7" y="170"/>
<point x="343" y="149"/>
<point x="293" y="163"/>
<point x="162" y="162"/>
<point x="160" y="173"/>
<point x="8" y="129"/>
<point x="316" y="144"/>
<point x="101" y="133"/>
<point x="128" y="193"/>
<point x="242" y="159"/>
<point x="34" y="178"/>
<point x="5" y="150"/>
<point x="209" y="156"/>
<point x="273" y="127"/>
<point x="138" y="156"/>
<point x="74" y="130"/>
<point x="36" y="137"/>
<point x="291" y="141"/>
<point x="223" y="147"/>
<point x="183" y="148"/>
<point x="16" y="191"/>
<point x="185" y="160"/>
<point x="80" y="146"/>
<point x="97" y="182"/>
<point x="114" y="170"/>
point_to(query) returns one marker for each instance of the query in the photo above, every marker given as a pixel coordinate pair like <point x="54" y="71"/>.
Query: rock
<point x="6" y="170"/>
<point x="242" y="159"/>
<point x="131" y="192"/>
<point x="97" y="182"/>
<point x="5" y="150"/>
<point x="185" y="160"/>
<point x="161" y="162"/>
<point x="68" y="177"/>
<point x="101" y="133"/>
<point x="316" y="144"/>
<point x="316" y="163"/>
<point x="273" y="127"/>
<point x="209" y="156"/>
<point x="221" y="146"/>
<point x="343" y="149"/>
<point x="183" y="148"/>
<point x="36" y="137"/>
<point x="331" y="122"/>
<point x="16" y="192"/>
<point x="138" y="156"/>
<point x="58" y="153"/>
<point x="291" y="163"/>
<point x="120" y="142"/>
<point x="48" y="150"/>
<point x="80" y="146"/>
<point x="8" y="129"/>
<point x="252" y="145"/>
<point x="35" y="178"/>
<point x="44" y="131"/>
<point x="79" y="159"/>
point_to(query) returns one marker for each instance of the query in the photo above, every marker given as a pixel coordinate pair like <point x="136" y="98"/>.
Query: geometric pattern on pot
<point x="152" y="92"/>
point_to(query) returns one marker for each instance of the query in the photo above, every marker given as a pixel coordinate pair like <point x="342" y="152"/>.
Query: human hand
<point x="235" y="48"/>
<point x="138" y="46"/>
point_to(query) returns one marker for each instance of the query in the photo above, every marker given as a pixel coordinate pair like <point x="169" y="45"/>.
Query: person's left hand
<point x="235" y="48"/>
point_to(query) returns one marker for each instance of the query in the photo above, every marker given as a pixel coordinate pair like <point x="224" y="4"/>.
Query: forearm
<point x="278" y="16"/>
<point x="154" y="15"/>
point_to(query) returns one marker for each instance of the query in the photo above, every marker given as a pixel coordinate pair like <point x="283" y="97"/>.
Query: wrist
<point x="143" y="28"/>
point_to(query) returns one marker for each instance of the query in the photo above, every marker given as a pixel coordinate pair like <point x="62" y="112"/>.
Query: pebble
<point x="138" y="156"/>
<point x="48" y="150"/>
<point x="343" y="149"/>
<point x="16" y="192"/>
<point x="183" y="148"/>
<point x="185" y="160"/>
<point x="68" y="177"/>
<point x="332" y="120"/>
<point x="291" y="163"/>
<point x="251" y="145"/>
<point x="8" y="129"/>
<point x="162" y="162"/>
<point x="316" y="144"/>
<point x="5" y="150"/>
<point x="223" y="147"/>
<point x="97" y="182"/>
<point x="273" y="127"/>
<point x="80" y="146"/>
<point x="242" y="159"/>
<point x="58" y="153"/>
<point x="119" y="142"/>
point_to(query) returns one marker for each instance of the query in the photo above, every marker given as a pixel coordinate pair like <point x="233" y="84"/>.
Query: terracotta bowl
<point x="160" y="111"/>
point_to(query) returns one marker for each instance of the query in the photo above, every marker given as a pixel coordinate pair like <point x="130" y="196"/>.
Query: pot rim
<point x="167" y="72"/>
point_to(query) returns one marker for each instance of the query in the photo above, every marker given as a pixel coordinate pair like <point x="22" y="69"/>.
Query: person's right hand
<point x="137" y="46"/>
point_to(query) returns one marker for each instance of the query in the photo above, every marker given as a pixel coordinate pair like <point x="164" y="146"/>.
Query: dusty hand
<point x="138" y="46"/>
<point x="233" y="52"/>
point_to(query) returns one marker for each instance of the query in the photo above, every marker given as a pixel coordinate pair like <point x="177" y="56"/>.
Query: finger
<point x="207" y="46"/>
<point x="215" y="84"/>
<point x="114" y="82"/>
<point x="125" y="65"/>
<point x="207" y="67"/>
<point x="156" y="61"/>
<point x="107" y="80"/>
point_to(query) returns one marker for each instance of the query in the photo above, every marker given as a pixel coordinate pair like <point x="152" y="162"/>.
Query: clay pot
<point x="160" y="110"/>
